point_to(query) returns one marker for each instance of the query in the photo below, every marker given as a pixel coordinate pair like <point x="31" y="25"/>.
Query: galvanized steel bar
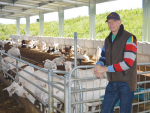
<point x="58" y="76"/>
<point x="17" y="77"/>
<point x="140" y="64"/>
<point x="69" y="103"/>
<point x="75" y="49"/>
<point x="93" y="111"/>
<point x="25" y="62"/>
<point x="57" y="109"/>
<point x="55" y="82"/>
<point x="50" y="90"/>
<point x="86" y="79"/>
<point x="66" y="95"/>
<point x="143" y="82"/>
<point x="88" y="89"/>
<point x="8" y="75"/>
<point x="75" y="62"/>
<point x="57" y="98"/>
<point x="143" y="72"/>
<point x="141" y="102"/>
<point x="60" y="72"/>
<point x="83" y="66"/>
<point x="87" y="101"/>
<point x="147" y="111"/>
<point x="1" y="60"/>
<point x="57" y="87"/>
<point x="24" y="77"/>
<point x="29" y="60"/>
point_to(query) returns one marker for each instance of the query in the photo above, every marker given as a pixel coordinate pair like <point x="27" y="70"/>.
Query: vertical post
<point x="27" y="25"/>
<point x="1" y="60"/>
<point x="50" y="90"/>
<point x="146" y="21"/>
<point x="92" y="13"/>
<point x="75" y="62"/>
<point x="75" y="49"/>
<point x="69" y="103"/>
<point x="61" y="22"/>
<point x="66" y="94"/>
<point x="18" y="26"/>
<point x="17" y="78"/>
<point x="41" y="24"/>
<point x="81" y="96"/>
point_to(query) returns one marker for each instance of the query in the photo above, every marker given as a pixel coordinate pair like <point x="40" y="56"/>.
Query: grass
<point x="132" y="20"/>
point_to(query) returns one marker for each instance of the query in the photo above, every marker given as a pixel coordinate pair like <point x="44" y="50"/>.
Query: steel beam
<point x="26" y="6"/>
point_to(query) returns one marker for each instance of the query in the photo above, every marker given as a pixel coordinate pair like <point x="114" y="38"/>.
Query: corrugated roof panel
<point x="33" y="7"/>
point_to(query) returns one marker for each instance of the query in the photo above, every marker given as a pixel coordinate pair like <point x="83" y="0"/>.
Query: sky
<point x="82" y="11"/>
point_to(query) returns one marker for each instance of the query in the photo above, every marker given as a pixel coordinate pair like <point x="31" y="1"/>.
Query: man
<point x="119" y="58"/>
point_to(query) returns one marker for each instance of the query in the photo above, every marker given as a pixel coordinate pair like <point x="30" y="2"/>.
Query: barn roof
<point x="12" y="9"/>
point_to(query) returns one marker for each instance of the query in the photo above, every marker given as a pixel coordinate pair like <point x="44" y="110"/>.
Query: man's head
<point x="114" y="22"/>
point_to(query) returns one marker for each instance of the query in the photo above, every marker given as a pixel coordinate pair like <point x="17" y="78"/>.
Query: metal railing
<point x="75" y="88"/>
<point x="50" y="74"/>
<point x="72" y="87"/>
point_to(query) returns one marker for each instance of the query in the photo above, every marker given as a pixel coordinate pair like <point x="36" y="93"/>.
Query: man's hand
<point x="100" y="70"/>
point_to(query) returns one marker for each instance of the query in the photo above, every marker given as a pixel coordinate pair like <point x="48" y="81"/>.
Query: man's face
<point x="114" y="25"/>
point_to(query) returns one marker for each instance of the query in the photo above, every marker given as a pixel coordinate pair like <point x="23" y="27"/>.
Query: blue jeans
<point x="117" y="91"/>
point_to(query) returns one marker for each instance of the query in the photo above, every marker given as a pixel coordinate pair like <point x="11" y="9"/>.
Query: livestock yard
<point x="67" y="92"/>
<point x="40" y="73"/>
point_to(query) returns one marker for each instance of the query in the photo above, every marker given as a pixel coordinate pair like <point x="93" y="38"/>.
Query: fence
<point x="6" y="65"/>
<point x="80" y="89"/>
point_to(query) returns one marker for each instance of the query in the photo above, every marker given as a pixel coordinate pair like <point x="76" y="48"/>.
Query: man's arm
<point x="102" y="59"/>
<point x="100" y="65"/>
<point x="129" y="57"/>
